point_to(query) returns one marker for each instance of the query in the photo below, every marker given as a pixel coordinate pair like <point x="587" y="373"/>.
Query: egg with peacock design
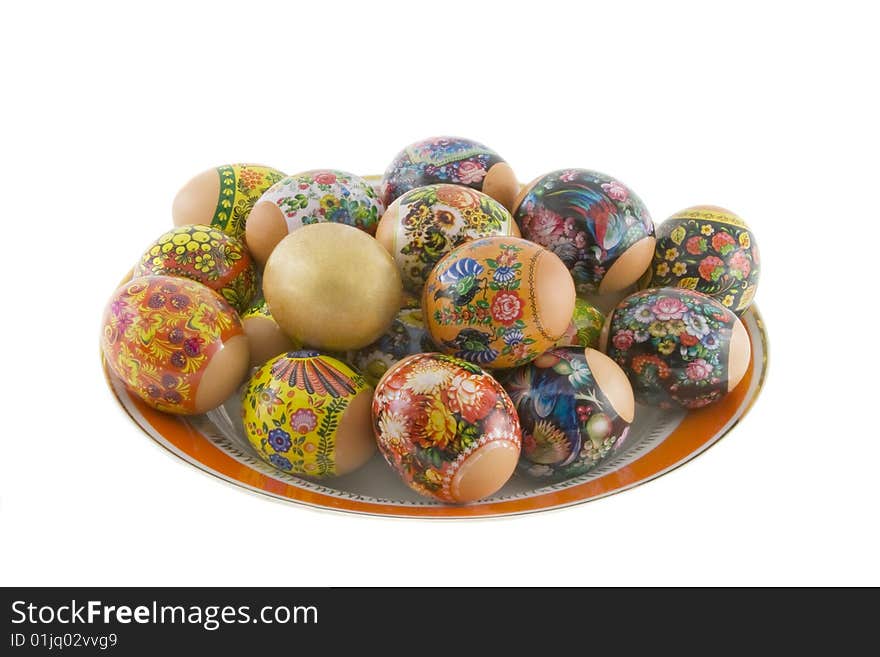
<point x="447" y="427"/>
<point x="710" y="250"/>
<point x="426" y="223"/>
<point x="678" y="347"/>
<point x="498" y="301"/>
<point x="175" y="343"/>
<point x="206" y="255"/>
<point x="309" y="414"/>
<point x="450" y="160"/>
<point x="575" y="406"/>
<point x="405" y="336"/>
<point x="311" y="197"/>
<point x="585" y="327"/>
<point x="598" y="227"/>
<point x="223" y="197"/>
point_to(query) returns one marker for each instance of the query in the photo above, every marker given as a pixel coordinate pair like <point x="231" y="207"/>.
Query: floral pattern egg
<point x="405" y="336"/>
<point x="498" y="301"/>
<point x="426" y="223"/>
<point x="322" y="195"/>
<point x="574" y="407"/>
<point x="450" y="160"/>
<point x="598" y="227"/>
<point x="678" y="347"/>
<point x="309" y="414"/>
<point x="585" y="327"/>
<point x="223" y="197"/>
<point x="206" y="255"/>
<point x="266" y="338"/>
<point x="710" y="250"/>
<point x="175" y="343"/>
<point x="448" y="428"/>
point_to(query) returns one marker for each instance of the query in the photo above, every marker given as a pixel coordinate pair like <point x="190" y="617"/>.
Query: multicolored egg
<point x="450" y="160"/>
<point x="175" y="343"/>
<point x="710" y="250"/>
<point x="426" y="223"/>
<point x="498" y="301"/>
<point x="678" y="347"/>
<point x="332" y="287"/>
<point x="309" y="414"/>
<point x="206" y="255"/>
<point x="448" y="428"/>
<point x="406" y="336"/>
<point x="266" y="338"/>
<point x="574" y="407"/>
<point x="585" y="327"/>
<point x="223" y="197"/>
<point x="598" y="227"/>
<point x="322" y="195"/>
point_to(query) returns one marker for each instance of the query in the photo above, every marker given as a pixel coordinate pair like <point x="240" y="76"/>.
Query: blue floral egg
<point x="449" y="160"/>
<point x="596" y="225"/>
<point x="575" y="407"/>
<point x="678" y="347"/>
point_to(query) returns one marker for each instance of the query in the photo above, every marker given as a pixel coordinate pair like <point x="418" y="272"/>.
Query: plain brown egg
<point x="266" y="338"/>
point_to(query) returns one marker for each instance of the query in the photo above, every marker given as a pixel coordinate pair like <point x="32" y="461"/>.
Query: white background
<point x="769" y="109"/>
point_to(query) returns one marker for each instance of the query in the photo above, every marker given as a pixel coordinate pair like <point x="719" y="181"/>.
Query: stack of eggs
<point x="442" y="313"/>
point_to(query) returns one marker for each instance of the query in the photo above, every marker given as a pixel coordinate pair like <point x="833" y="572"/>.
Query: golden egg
<point x="332" y="287"/>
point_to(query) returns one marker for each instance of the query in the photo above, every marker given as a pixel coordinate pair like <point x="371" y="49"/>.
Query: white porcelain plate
<point x="658" y="442"/>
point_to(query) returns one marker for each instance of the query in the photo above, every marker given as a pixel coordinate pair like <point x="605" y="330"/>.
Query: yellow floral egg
<point x="309" y="414"/>
<point x="206" y="255"/>
<point x="223" y="197"/>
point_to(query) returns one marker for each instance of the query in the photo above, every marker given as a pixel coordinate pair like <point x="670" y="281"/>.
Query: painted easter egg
<point x="448" y="428"/>
<point x="426" y="223"/>
<point x="332" y="287"/>
<point x="450" y="160"/>
<point x="678" y="347"/>
<point x="598" y="227"/>
<point x="322" y="195"/>
<point x="498" y="301"/>
<point x="585" y="326"/>
<point x="309" y="414"/>
<point x="175" y="343"/>
<point x="223" y="197"/>
<point x="206" y="255"/>
<point x="406" y="336"/>
<point x="574" y="407"/>
<point x="266" y="338"/>
<point x="710" y="250"/>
